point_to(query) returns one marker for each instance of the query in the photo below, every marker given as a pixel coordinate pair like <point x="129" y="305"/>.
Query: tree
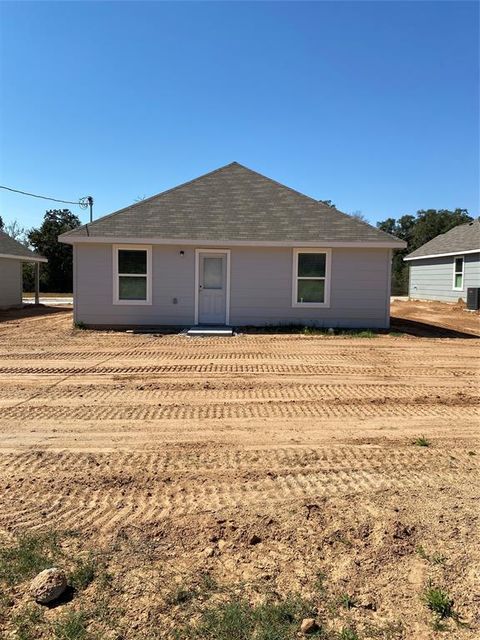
<point x="57" y="274"/>
<point x="358" y="215"/>
<point x="416" y="231"/>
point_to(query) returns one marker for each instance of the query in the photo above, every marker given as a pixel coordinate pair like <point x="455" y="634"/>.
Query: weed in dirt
<point x="319" y="583"/>
<point x="435" y="558"/>
<point x="26" y="622"/>
<point x="32" y="554"/>
<point x="71" y="626"/>
<point x="422" y="442"/>
<point x="438" y="601"/>
<point x="80" y="325"/>
<point x="238" y="620"/>
<point x="83" y="574"/>
<point x="207" y="582"/>
<point x="180" y="595"/>
<point x="347" y="601"/>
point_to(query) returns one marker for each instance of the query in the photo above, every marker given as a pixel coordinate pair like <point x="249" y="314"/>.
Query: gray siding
<point x="260" y="292"/>
<point x="432" y="278"/>
<point x="10" y="282"/>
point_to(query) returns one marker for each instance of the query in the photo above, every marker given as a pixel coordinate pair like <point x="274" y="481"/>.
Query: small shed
<point x="12" y="255"/>
<point x="444" y="268"/>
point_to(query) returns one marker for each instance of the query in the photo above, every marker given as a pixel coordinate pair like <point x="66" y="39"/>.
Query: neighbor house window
<point x="458" y="273"/>
<point x="311" y="277"/>
<point x="132" y="274"/>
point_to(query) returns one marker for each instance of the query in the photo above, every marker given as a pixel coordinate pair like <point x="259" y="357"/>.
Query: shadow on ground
<point x="30" y="311"/>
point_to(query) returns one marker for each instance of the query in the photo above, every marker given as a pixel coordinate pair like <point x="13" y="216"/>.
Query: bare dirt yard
<point x="227" y="488"/>
<point x="427" y="315"/>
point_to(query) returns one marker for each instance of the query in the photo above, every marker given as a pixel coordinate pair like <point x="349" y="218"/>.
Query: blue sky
<point x="373" y="105"/>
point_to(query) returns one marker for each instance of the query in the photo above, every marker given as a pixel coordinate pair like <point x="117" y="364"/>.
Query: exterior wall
<point x="260" y="288"/>
<point x="10" y="282"/>
<point x="432" y="278"/>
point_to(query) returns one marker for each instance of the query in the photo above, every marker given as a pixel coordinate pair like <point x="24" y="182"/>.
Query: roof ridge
<point x="156" y="195"/>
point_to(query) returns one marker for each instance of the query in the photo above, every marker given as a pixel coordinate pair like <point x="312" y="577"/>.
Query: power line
<point x="34" y="195"/>
<point x="83" y="203"/>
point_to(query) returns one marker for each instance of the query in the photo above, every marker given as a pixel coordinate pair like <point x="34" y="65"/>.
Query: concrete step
<point x="207" y="332"/>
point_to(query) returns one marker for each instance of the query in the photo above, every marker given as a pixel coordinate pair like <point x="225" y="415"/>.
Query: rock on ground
<point x="48" y="585"/>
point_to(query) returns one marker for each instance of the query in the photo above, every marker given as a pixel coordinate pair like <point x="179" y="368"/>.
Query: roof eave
<point x="363" y="244"/>
<point x="441" y="255"/>
<point x="31" y="258"/>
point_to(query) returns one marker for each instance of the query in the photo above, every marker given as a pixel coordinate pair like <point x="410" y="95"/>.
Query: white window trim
<point x="132" y="247"/>
<point x="197" y="282"/>
<point x="458" y="272"/>
<point x="328" y="277"/>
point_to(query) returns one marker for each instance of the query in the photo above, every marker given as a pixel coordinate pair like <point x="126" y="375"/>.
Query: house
<point x="231" y="247"/>
<point x="12" y="255"/>
<point x="445" y="267"/>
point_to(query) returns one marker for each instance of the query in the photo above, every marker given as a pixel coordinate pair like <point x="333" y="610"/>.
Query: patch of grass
<point x="388" y="631"/>
<point x="347" y="633"/>
<point x="80" y="325"/>
<point x="359" y="333"/>
<point x="422" y="442"/>
<point x="32" y="554"/>
<point x="26" y="622"/>
<point x="84" y="573"/>
<point x="439" y="602"/>
<point x="347" y="601"/>
<point x="238" y="620"/>
<point x="71" y="626"/>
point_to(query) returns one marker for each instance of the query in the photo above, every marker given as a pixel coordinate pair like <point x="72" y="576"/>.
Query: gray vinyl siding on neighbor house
<point x="10" y="282"/>
<point x="260" y="288"/>
<point x="432" y="278"/>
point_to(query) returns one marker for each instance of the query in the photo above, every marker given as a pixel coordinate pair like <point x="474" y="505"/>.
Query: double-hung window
<point x="311" y="277"/>
<point x="132" y="274"/>
<point x="458" y="273"/>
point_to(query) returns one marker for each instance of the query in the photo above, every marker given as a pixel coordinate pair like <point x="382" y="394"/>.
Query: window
<point x="458" y="273"/>
<point x="311" y="278"/>
<point x="132" y="274"/>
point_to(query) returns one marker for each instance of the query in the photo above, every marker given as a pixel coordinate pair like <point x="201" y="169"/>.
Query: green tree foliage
<point x="416" y="231"/>
<point x="57" y="274"/>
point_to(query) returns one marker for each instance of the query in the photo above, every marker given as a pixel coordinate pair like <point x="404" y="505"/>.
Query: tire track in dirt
<point x="101" y="509"/>
<point x="210" y="368"/>
<point x="241" y="410"/>
<point x="239" y="391"/>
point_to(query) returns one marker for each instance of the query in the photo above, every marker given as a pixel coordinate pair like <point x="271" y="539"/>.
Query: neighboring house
<point x="231" y="248"/>
<point x="445" y="267"/>
<point x="12" y="255"/>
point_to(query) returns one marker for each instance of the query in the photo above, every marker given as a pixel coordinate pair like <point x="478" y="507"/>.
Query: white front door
<point x="212" y="288"/>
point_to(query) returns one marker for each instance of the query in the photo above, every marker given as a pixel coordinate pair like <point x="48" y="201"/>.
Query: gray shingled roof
<point x="232" y="203"/>
<point x="465" y="237"/>
<point x="11" y="247"/>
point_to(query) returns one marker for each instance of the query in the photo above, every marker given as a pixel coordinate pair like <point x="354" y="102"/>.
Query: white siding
<point x="10" y="282"/>
<point x="261" y="288"/>
<point x="432" y="278"/>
